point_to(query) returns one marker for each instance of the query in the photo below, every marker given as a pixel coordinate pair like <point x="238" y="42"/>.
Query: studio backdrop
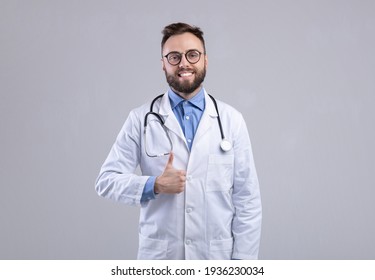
<point x="301" y="73"/>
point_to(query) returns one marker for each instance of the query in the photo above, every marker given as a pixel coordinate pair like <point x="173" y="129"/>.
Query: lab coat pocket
<point x="152" y="249"/>
<point x="219" y="172"/>
<point x="221" y="249"/>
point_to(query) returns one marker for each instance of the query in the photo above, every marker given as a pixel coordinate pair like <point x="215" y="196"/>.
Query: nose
<point x="184" y="62"/>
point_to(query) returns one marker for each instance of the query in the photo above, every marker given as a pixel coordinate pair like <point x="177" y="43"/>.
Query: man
<point x="199" y="192"/>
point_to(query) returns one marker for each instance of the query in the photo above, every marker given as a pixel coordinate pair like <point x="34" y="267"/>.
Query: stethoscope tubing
<point x="218" y="117"/>
<point x="225" y="144"/>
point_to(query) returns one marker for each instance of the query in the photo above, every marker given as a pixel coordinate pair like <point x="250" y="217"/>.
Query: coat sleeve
<point x="117" y="179"/>
<point x="246" y="226"/>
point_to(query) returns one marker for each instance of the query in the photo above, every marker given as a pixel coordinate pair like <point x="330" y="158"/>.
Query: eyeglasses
<point x="192" y="56"/>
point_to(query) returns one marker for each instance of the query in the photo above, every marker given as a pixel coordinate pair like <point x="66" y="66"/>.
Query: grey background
<point x="301" y="72"/>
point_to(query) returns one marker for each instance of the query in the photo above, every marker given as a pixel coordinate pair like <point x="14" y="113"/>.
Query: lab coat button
<point x="188" y="178"/>
<point x="188" y="242"/>
<point x="188" y="210"/>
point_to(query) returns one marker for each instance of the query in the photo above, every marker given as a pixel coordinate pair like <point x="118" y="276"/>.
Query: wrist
<point x="156" y="186"/>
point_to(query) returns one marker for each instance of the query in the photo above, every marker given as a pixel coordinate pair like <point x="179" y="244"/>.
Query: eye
<point x="193" y="54"/>
<point x="173" y="57"/>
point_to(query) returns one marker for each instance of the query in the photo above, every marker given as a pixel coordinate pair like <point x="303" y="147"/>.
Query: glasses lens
<point x="193" y="56"/>
<point x="174" y="58"/>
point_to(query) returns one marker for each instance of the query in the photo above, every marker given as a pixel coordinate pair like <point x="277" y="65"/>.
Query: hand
<point x="172" y="181"/>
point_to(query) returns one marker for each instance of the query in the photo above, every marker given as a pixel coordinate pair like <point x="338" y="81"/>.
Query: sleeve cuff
<point x="148" y="191"/>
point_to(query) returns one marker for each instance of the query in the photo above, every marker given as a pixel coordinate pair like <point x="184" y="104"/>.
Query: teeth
<point x="185" y="74"/>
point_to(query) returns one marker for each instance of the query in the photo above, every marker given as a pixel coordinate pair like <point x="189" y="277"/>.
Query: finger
<point x="182" y="173"/>
<point x="170" y="159"/>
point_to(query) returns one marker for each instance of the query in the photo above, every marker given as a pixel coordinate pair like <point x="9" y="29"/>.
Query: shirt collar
<point x="198" y="100"/>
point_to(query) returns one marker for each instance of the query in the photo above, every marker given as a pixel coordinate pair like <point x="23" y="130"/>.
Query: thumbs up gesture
<point x="171" y="181"/>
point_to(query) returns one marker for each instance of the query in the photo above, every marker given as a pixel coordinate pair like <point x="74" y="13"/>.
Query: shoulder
<point x="137" y="114"/>
<point x="135" y="117"/>
<point x="226" y="109"/>
<point x="146" y="107"/>
<point x="141" y="110"/>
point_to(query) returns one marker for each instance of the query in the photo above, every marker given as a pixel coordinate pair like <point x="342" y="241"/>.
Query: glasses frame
<point x="186" y="57"/>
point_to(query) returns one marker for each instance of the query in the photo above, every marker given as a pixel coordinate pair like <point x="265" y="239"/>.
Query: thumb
<point x="170" y="160"/>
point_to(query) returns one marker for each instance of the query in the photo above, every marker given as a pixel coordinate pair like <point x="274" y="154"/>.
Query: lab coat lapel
<point x="208" y="118"/>
<point x="170" y="120"/>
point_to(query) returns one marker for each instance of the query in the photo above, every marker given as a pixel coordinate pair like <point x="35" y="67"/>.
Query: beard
<point x="186" y="87"/>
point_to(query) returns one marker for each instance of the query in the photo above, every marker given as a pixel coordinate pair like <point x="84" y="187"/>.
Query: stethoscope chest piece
<point x="225" y="145"/>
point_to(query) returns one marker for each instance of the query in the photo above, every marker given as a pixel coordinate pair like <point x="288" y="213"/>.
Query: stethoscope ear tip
<point x="225" y="145"/>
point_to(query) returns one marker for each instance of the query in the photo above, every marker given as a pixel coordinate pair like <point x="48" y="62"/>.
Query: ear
<point x="206" y="60"/>
<point x="162" y="64"/>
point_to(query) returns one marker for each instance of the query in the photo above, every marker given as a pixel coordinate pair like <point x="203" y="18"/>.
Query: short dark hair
<point x="180" y="28"/>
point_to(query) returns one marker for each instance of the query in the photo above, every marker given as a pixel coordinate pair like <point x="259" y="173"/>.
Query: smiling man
<point x="199" y="191"/>
<point x="184" y="51"/>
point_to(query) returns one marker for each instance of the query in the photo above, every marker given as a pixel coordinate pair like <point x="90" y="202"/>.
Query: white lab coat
<point x="218" y="216"/>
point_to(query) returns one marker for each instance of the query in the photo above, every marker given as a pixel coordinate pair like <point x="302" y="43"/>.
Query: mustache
<point x="185" y="69"/>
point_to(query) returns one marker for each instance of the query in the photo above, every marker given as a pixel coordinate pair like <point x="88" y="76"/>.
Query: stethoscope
<point x="225" y="144"/>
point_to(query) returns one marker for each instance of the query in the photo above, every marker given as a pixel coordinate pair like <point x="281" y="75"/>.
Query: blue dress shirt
<point x="188" y="114"/>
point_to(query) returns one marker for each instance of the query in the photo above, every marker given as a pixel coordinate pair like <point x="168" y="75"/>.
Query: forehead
<point x="182" y="43"/>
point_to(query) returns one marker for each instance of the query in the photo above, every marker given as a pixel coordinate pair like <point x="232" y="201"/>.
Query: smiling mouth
<point x="185" y="74"/>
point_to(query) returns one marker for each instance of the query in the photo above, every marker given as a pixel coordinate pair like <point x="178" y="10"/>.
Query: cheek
<point x="169" y="70"/>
